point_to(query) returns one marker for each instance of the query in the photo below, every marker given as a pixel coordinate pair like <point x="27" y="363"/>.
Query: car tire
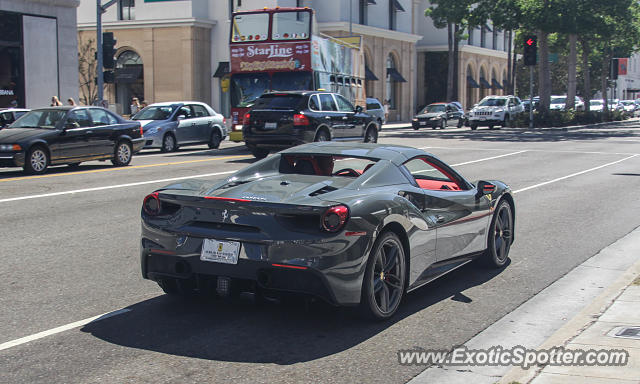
<point x="381" y="295"/>
<point x="259" y="153"/>
<point x="415" y="127"/>
<point x="491" y="126"/>
<point x="473" y="126"/>
<point x="380" y="123"/>
<point x="122" y="154"/>
<point x="500" y="236"/>
<point x="371" y="136"/>
<point x="169" y="143"/>
<point x="73" y="165"/>
<point x="214" y="141"/>
<point x="505" y="122"/>
<point x="460" y="123"/>
<point x="443" y="123"/>
<point x="322" y="135"/>
<point x="37" y="160"/>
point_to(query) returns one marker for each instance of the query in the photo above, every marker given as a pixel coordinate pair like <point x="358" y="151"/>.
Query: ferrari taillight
<point x="141" y="131"/>
<point x="300" y="119"/>
<point x="335" y="218"/>
<point x="151" y="204"/>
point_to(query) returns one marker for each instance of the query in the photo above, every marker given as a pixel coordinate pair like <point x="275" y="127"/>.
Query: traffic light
<point x="614" y="69"/>
<point x="108" y="50"/>
<point x="108" y="77"/>
<point x="530" y="50"/>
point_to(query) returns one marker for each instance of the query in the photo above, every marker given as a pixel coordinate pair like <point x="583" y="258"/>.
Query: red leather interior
<point x="436" y="185"/>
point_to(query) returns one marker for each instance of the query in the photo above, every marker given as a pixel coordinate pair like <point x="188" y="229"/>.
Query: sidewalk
<point x="584" y="310"/>
<point x="611" y="321"/>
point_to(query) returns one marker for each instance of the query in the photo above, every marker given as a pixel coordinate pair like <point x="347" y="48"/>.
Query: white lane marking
<point x="62" y="328"/>
<point x="488" y="158"/>
<point x="574" y="174"/>
<point x="113" y="186"/>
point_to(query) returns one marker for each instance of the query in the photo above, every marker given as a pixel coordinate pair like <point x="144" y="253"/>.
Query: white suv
<point x="494" y="110"/>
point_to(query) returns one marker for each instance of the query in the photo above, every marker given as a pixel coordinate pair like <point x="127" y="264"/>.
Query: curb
<point x="578" y="324"/>
<point x="577" y="127"/>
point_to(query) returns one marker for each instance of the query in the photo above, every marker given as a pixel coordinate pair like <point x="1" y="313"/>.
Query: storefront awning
<point x="472" y="83"/>
<point x="395" y="75"/>
<point x="484" y="83"/>
<point x="496" y="84"/>
<point x="223" y="69"/>
<point x="397" y="5"/>
<point x="129" y="74"/>
<point x="368" y="74"/>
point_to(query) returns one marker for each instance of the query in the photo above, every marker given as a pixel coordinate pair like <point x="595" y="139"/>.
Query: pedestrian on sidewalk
<point x="72" y="102"/>
<point x="135" y="106"/>
<point x="55" y="102"/>
<point x="386" y="110"/>
<point x="144" y="104"/>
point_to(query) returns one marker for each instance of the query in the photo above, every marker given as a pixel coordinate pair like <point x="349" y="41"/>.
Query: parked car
<point x="615" y="105"/>
<point x="172" y="124"/>
<point x="279" y="120"/>
<point x="9" y="115"/>
<point x="352" y="224"/>
<point x="439" y="115"/>
<point x="68" y="135"/>
<point x="559" y="103"/>
<point x="629" y="107"/>
<point x="376" y="109"/>
<point x="596" y="105"/>
<point x="495" y="110"/>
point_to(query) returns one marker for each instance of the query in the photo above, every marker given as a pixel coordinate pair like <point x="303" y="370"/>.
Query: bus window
<point x="247" y="87"/>
<point x="295" y="25"/>
<point x="288" y="81"/>
<point x="251" y="27"/>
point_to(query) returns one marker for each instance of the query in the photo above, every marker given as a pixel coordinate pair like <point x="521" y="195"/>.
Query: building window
<point x="127" y="10"/>
<point x="471" y="29"/>
<point x="483" y="37"/>
<point x="495" y="39"/>
<point x="392" y="15"/>
<point x="363" y="11"/>
<point x="505" y="41"/>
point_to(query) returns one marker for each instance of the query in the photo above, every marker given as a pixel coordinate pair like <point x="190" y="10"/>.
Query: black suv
<point x="283" y="119"/>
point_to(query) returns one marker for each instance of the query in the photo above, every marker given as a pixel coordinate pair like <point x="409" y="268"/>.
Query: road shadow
<point x="241" y="331"/>
<point x="509" y="135"/>
<point x="55" y="169"/>
<point x="626" y="174"/>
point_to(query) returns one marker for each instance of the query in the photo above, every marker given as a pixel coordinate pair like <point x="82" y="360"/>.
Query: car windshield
<point x="325" y="165"/>
<point x="493" y="102"/>
<point x="247" y="87"/>
<point x="558" y="100"/>
<point x="596" y="102"/>
<point x="159" y="112"/>
<point x="627" y="102"/>
<point x="373" y="105"/>
<point x="434" y="108"/>
<point x="43" y="118"/>
<point x="250" y="27"/>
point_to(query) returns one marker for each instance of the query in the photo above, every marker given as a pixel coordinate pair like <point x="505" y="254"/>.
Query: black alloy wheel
<point x="322" y="135"/>
<point x="259" y="153"/>
<point x="214" y="141"/>
<point x="500" y="236"/>
<point x="371" y="136"/>
<point x="384" y="280"/>
<point x="169" y="143"/>
<point x="473" y="126"/>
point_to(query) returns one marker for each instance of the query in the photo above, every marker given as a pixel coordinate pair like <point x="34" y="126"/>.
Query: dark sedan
<point x="439" y="115"/>
<point x="283" y="119"/>
<point x="353" y="224"/>
<point x="68" y="135"/>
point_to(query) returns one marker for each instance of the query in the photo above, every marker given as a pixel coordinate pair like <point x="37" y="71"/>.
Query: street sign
<point x="531" y="50"/>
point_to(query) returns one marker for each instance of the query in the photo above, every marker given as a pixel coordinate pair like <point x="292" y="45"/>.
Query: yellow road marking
<point x="123" y="168"/>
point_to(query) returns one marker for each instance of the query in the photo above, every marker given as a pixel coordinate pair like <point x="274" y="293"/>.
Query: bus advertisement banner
<point x="260" y="57"/>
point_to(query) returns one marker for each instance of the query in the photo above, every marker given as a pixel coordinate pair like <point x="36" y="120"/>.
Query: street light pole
<point x="350" y="17"/>
<point x="99" y="77"/>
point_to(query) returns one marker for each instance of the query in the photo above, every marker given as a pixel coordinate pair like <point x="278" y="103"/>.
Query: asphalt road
<point x="69" y="242"/>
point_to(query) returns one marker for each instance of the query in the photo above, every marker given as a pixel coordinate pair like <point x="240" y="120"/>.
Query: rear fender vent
<point x="323" y="190"/>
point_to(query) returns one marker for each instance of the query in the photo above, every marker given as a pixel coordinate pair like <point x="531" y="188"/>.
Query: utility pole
<point x="100" y="9"/>
<point x="350" y="17"/>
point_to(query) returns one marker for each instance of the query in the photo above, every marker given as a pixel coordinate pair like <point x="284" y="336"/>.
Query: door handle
<point x="439" y="219"/>
<point x="344" y="117"/>
<point x="327" y="117"/>
<point x="88" y="132"/>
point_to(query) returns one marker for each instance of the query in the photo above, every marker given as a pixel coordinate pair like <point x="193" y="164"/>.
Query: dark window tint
<point x="185" y="111"/>
<point x="327" y="103"/>
<point x="278" y="101"/>
<point x="102" y="117"/>
<point x="199" y="110"/>
<point x="372" y="106"/>
<point x="80" y="118"/>
<point x="313" y="103"/>
<point x="343" y="104"/>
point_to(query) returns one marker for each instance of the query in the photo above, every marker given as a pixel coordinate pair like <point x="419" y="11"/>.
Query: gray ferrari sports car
<point x="353" y="224"/>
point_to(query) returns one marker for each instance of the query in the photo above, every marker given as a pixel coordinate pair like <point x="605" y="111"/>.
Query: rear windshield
<point x="325" y="165"/>
<point x="284" y="101"/>
<point x="493" y="102"/>
<point x="371" y="106"/>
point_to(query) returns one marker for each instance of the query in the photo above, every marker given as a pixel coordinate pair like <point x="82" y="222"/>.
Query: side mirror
<point x="70" y="125"/>
<point x="181" y="117"/>
<point x="358" y="109"/>
<point x="485" y="188"/>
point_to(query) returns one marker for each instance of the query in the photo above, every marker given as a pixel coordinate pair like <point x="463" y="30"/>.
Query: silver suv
<point x="494" y="110"/>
